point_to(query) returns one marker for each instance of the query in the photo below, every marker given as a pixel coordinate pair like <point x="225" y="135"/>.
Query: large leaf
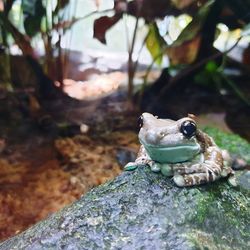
<point x="185" y="48"/>
<point x="33" y="11"/>
<point x="246" y="30"/>
<point x="61" y="4"/>
<point x="155" y="43"/>
<point x="102" y="24"/>
<point x="21" y="40"/>
<point x="186" y="53"/>
<point x="193" y="28"/>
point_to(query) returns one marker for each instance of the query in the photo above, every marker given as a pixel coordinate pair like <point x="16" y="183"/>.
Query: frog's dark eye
<point x="188" y="128"/>
<point x="140" y="121"/>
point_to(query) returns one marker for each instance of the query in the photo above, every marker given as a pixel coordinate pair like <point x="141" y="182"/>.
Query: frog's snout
<point x="153" y="137"/>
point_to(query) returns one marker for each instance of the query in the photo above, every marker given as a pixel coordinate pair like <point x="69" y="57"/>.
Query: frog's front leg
<point x="207" y="171"/>
<point x="142" y="159"/>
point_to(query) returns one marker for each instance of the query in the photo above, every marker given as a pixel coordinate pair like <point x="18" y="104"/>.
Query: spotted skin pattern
<point x="208" y="165"/>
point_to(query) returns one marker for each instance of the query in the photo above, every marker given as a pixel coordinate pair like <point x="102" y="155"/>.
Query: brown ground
<point x="37" y="182"/>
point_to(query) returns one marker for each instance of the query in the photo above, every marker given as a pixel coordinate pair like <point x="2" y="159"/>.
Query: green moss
<point x="203" y="208"/>
<point x="205" y="241"/>
<point x="231" y="142"/>
<point x="222" y="211"/>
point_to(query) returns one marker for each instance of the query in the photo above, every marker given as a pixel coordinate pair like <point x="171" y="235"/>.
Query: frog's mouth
<point x="172" y="154"/>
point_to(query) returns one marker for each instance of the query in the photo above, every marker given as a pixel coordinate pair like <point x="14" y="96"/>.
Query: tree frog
<point x="180" y="149"/>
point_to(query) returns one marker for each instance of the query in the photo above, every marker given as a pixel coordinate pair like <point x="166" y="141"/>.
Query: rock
<point x="84" y="128"/>
<point x="142" y="209"/>
<point x="239" y="164"/>
<point x="145" y="210"/>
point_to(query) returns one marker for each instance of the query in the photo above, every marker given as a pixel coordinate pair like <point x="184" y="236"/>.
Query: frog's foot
<point x="232" y="181"/>
<point x="179" y="180"/>
<point x="154" y="166"/>
<point x="227" y="159"/>
<point x="130" y="166"/>
<point x="167" y="170"/>
<point x="226" y="172"/>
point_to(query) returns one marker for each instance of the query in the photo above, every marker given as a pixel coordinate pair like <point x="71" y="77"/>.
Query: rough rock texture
<point x="144" y="210"/>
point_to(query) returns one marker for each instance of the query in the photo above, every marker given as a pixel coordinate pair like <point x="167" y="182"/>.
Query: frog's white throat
<point x="172" y="154"/>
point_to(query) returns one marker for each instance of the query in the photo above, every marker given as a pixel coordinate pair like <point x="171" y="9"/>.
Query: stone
<point x="145" y="210"/>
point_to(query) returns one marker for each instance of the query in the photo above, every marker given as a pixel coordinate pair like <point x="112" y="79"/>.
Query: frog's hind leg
<point x="207" y="171"/>
<point x="194" y="179"/>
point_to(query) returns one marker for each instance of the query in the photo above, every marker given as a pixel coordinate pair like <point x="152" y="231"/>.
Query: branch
<point x="185" y="72"/>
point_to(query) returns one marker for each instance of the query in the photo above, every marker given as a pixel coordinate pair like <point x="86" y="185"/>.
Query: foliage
<point x="191" y="51"/>
<point x="213" y="73"/>
<point x="40" y="20"/>
<point x="33" y="12"/>
<point x="231" y="142"/>
<point x="155" y="43"/>
<point x="194" y="45"/>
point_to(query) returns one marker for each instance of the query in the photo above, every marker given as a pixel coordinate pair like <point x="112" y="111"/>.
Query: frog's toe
<point x="226" y="171"/>
<point x="155" y="167"/>
<point x="179" y="180"/>
<point x="166" y="170"/>
<point x="130" y="166"/>
<point x="232" y="181"/>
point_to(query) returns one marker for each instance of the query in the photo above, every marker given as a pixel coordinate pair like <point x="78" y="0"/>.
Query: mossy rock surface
<point x="144" y="210"/>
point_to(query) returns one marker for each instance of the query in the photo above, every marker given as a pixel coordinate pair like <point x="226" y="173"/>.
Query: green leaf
<point x="193" y="28"/>
<point x="21" y="40"/>
<point x="203" y="78"/>
<point x="211" y="67"/>
<point x="33" y="11"/>
<point x="28" y="7"/>
<point x="155" y="43"/>
<point x="246" y="30"/>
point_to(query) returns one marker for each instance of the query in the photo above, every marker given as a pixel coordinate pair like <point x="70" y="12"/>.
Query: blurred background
<point x="76" y="74"/>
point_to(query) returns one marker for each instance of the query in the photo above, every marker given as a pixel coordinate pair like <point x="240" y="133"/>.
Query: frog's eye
<point x="140" y="121"/>
<point x="188" y="128"/>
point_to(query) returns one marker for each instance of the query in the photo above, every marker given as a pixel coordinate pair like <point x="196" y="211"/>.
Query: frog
<point x="179" y="149"/>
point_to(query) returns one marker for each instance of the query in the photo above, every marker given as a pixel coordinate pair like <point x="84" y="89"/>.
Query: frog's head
<point x="167" y="140"/>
